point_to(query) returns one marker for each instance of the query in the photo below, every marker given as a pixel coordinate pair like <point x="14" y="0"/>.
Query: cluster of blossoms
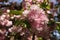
<point x="6" y="24"/>
<point x="24" y="32"/>
<point x="34" y="0"/>
<point x="28" y="3"/>
<point x="38" y="20"/>
<point x="8" y="27"/>
<point x="4" y="20"/>
<point x="37" y="17"/>
<point x="40" y="0"/>
<point x="28" y="0"/>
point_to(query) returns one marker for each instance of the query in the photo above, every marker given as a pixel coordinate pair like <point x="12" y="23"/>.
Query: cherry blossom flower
<point x="25" y="12"/>
<point x="17" y="16"/>
<point x="4" y="18"/>
<point x="8" y="10"/>
<point x="37" y="17"/>
<point x="40" y="0"/>
<point x="4" y="22"/>
<point x="12" y="17"/>
<point x="29" y="0"/>
<point x="2" y="34"/>
<point x="34" y="7"/>
<point x="9" y="23"/>
<point x="22" y="33"/>
<point x="13" y="29"/>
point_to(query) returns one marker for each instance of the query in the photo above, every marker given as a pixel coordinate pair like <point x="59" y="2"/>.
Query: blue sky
<point x="18" y="1"/>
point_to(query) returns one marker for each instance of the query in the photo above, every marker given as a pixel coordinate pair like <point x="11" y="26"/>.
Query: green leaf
<point x="45" y="5"/>
<point x="27" y="24"/>
<point x="58" y="27"/>
<point x="0" y="11"/>
<point x="16" y="12"/>
<point x="40" y="38"/>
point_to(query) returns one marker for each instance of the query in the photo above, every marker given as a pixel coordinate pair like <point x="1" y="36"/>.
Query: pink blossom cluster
<point x="37" y="17"/>
<point x="34" y="0"/>
<point x="4" y="20"/>
<point x="25" y="12"/>
<point x="15" y="16"/>
<point x="28" y="3"/>
<point x="15" y="29"/>
<point x="40" y="1"/>
<point x="2" y="34"/>
<point x="19" y="29"/>
<point x="28" y="0"/>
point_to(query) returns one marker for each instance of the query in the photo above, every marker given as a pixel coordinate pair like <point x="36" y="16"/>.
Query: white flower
<point x="48" y="12"/>
<point x="39" y="28"/>
<point x="22" y="33"/>
<point x="51" y="19"/>
<point x="17" y="16"/>
<point x="28" y="0"/>
<point x="3" y="16"/>
<point x="25" y="12"/>
<point x="40" y="0"/>
<point x="12" y="17"/>
<point x="10" y="29"/>
<point x="8" y="10"/>
<point x="42" y="22"/>
<point x="9" y="23"/>
<point x="34" y="7"/>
